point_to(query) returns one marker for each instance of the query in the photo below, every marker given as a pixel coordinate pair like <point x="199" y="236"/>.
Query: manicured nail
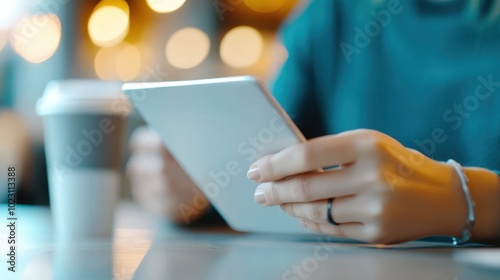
<point x="259" y="196"/>
<point x="254" y="174"/>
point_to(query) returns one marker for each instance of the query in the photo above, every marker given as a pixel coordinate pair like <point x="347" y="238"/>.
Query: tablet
<point x="216" y="129"/>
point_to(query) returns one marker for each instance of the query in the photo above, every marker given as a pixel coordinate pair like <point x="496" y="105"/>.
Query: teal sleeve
<point x="294" y="81"/>
<point x="295" y="85"/>
<point x="6" y="98"/>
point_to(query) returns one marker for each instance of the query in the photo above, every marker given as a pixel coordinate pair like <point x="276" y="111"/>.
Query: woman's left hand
<point x="383" y="192"/>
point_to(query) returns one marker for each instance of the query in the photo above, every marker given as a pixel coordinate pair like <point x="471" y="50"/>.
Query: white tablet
<point x="216" y="129"/>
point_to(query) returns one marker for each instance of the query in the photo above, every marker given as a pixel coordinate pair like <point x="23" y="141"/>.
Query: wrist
<point x="484" y="187"/>
<point x="470" y="219"/>
<point x="447" y="209"/>
<point x="456" y="219"/>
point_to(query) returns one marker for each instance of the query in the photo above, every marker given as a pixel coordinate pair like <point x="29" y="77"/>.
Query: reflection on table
<point x="145" y="247"/>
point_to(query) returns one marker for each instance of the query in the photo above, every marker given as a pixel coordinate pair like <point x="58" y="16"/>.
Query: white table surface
<point x="145" y="247"/>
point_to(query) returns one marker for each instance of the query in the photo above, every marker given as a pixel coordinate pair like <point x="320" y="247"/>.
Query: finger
<point x="305" y="157"/>
<point x="344" y="210"/>
<point x="350" y="230"/>
<point x="309" y="187"/>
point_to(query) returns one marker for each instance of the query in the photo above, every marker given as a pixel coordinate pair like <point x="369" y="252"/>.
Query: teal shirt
<point x="427" y="76"/>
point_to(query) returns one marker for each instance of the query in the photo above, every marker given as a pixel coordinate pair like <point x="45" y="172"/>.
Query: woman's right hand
<point x="158" y="182"/>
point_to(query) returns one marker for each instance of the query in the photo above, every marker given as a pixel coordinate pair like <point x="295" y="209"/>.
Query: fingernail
<point x="259" y="196"/>
<point x="254" y="174"/>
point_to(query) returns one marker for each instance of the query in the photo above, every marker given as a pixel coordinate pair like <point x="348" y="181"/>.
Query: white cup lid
<point x="80" y="96"/>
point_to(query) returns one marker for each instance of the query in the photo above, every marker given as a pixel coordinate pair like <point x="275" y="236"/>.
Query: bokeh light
<point x="187" y="48"/>
<point x="128" y="62"/>
<point x="104" y="63"/>
<point x="265" y="6"/>
<point x="165" y="6"/>
<point x="241" y="47"/>
<point x="122" y="62"/>
<point x="9" y="12"/>
<point x="109" y="23"/>
<point x="36" y="37"/>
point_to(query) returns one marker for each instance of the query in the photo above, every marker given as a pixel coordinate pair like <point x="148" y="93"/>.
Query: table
<point x="147" y="247"/>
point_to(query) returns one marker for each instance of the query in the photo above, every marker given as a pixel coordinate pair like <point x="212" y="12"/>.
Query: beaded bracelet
<point x="466" y="234"/>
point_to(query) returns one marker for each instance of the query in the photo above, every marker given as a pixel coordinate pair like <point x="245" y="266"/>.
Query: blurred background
<point x="134" y="40"/>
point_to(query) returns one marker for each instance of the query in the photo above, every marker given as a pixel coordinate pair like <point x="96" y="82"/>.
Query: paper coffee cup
<point x="84" y="123"/>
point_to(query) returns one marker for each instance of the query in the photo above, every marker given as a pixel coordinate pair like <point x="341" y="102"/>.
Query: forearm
<point x="484" y="186"/>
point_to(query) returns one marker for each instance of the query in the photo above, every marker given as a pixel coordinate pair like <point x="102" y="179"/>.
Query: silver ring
<point x="329" y="213"/>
